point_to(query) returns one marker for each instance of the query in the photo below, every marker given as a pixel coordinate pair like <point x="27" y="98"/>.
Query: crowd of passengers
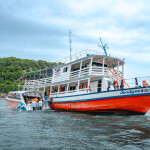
<point x="32" y="99"/>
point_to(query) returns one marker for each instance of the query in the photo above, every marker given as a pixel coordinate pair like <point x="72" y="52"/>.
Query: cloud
<point x="38" y="29"/>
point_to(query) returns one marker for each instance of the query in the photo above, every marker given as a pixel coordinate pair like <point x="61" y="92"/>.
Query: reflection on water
<point x="63" y="130"/>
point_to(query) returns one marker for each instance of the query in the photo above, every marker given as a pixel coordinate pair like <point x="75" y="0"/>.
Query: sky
<point x="38" y="30"/>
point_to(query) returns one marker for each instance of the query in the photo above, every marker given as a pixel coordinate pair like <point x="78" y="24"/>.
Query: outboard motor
<point x="34" y="104"/>
<point x="40" y="105"/>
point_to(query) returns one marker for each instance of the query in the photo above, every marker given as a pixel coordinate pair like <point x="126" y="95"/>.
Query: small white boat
<point x="25" y="100"/>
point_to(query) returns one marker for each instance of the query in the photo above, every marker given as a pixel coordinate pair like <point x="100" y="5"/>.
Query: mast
<point x="70" y="41"/>
<point x="104" y="47"/>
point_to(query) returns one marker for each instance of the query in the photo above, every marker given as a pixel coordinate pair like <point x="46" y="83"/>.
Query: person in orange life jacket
<point x="35" y="99"/>
<point x="48" y="93"/>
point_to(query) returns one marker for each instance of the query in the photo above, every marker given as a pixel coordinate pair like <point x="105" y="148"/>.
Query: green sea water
<point x="44" y="130"/>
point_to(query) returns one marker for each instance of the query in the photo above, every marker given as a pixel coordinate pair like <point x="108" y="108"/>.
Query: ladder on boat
<point x="116" y="76"/>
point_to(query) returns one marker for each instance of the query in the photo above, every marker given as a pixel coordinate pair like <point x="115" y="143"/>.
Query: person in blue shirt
<point x="45" y="100"/>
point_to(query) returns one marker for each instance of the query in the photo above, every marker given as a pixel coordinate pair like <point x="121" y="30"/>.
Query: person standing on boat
<point x="121" y="85"/>
<point x="116" y="85"/>
<point x="45" y="99"/>
<point x="109" y="84"/>
<point x="48" y="97"/>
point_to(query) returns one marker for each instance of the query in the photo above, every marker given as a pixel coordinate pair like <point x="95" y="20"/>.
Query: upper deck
<point x="84" y="54"/>
<point x="84" y="64"/>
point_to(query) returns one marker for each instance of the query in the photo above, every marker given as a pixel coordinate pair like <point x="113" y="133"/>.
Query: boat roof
<point x="109" y="60"/>
<point x="23" y="92"/>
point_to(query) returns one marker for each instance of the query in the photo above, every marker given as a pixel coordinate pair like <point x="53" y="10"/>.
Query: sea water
<point x="44" y="130"/>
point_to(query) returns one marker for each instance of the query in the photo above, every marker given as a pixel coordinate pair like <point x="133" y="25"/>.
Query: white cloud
<point x="127" y="8"/>
<point x="122" y="24"/>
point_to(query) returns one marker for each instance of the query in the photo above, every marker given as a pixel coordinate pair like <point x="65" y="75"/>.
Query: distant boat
<point x="25" y="100"/>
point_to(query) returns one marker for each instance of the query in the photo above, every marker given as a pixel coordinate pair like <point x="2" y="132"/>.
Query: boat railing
<point x="117" y="76"/>
<point x="74" y="74"/>
<point x="64" y="92"/>
<point x="139" y="83"/>
<point x="38" y="82"/>
<point x="71" y="91"/>
<point x="79" y="55"/>
<point x="86" y="71"/>
<point x="79" y="73"/>
<point x="29" y="82"/>
<point x="99" y="70"/>
<point x="61" y="77"/>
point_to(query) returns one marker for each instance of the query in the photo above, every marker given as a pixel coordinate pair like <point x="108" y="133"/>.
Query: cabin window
<point x="65" y="69"/>
<point x="57" y="72"/>
<point x="62" y="89"/>
<point x="81" y="86"/>
<point x="14" y="96"/>
<point x="72" y="88"/>
<point x="98" y="64"/>
<point x="85" y="65"/>
<point x="75" y="69"/>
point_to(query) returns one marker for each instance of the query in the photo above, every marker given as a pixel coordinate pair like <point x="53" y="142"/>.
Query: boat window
<point x="14" y="96"/>
<point x="75" y="69"/>
<point x="57" y="72"/>
<point x="98" y="64"/>
<point x="65" y="69"/>
<point x="85" y="65"/>
<point x="72" y="88"/>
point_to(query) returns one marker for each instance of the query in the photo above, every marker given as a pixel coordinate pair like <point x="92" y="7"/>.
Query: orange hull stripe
<point x="136" y="103"/>
<point x="12" y="103"/>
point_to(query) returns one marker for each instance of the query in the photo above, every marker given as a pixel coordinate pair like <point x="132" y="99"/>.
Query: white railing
<point x="79" y="73"/>
<point x="72" y="91"/>
<point x="29" y="82"/>
<point x="38" y="82"/>
<point x="117" y="76"/>
<point x="84" y="71"/>
<point x="74" y="74"/>
<point x="99" y="71"/>
<point x="61" y="77"/>
<point x="79" y="55"/>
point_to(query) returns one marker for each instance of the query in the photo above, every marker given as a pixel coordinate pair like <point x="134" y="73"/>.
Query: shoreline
<point x="3" y="95"/>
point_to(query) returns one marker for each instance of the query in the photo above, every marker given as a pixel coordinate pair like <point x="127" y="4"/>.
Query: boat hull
<point x="132" y="104"/>
<point x="12" y="103"/>
<point x="16" y="104"/>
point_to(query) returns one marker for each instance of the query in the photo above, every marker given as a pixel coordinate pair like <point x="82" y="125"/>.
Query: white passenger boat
<point x="25" y="100"/>
<point x="90" y="82"/>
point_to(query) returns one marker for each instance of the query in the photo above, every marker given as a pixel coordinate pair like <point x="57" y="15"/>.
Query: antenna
<point x="104" y="47"/>
<point x="70" y="41"/>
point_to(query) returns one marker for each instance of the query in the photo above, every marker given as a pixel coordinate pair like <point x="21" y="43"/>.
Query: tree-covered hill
<point x="12" y="68"/>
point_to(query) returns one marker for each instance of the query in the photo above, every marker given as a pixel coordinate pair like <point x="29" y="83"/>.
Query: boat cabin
<point x="26" y="96"/>
<point x="87" y="71"/>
